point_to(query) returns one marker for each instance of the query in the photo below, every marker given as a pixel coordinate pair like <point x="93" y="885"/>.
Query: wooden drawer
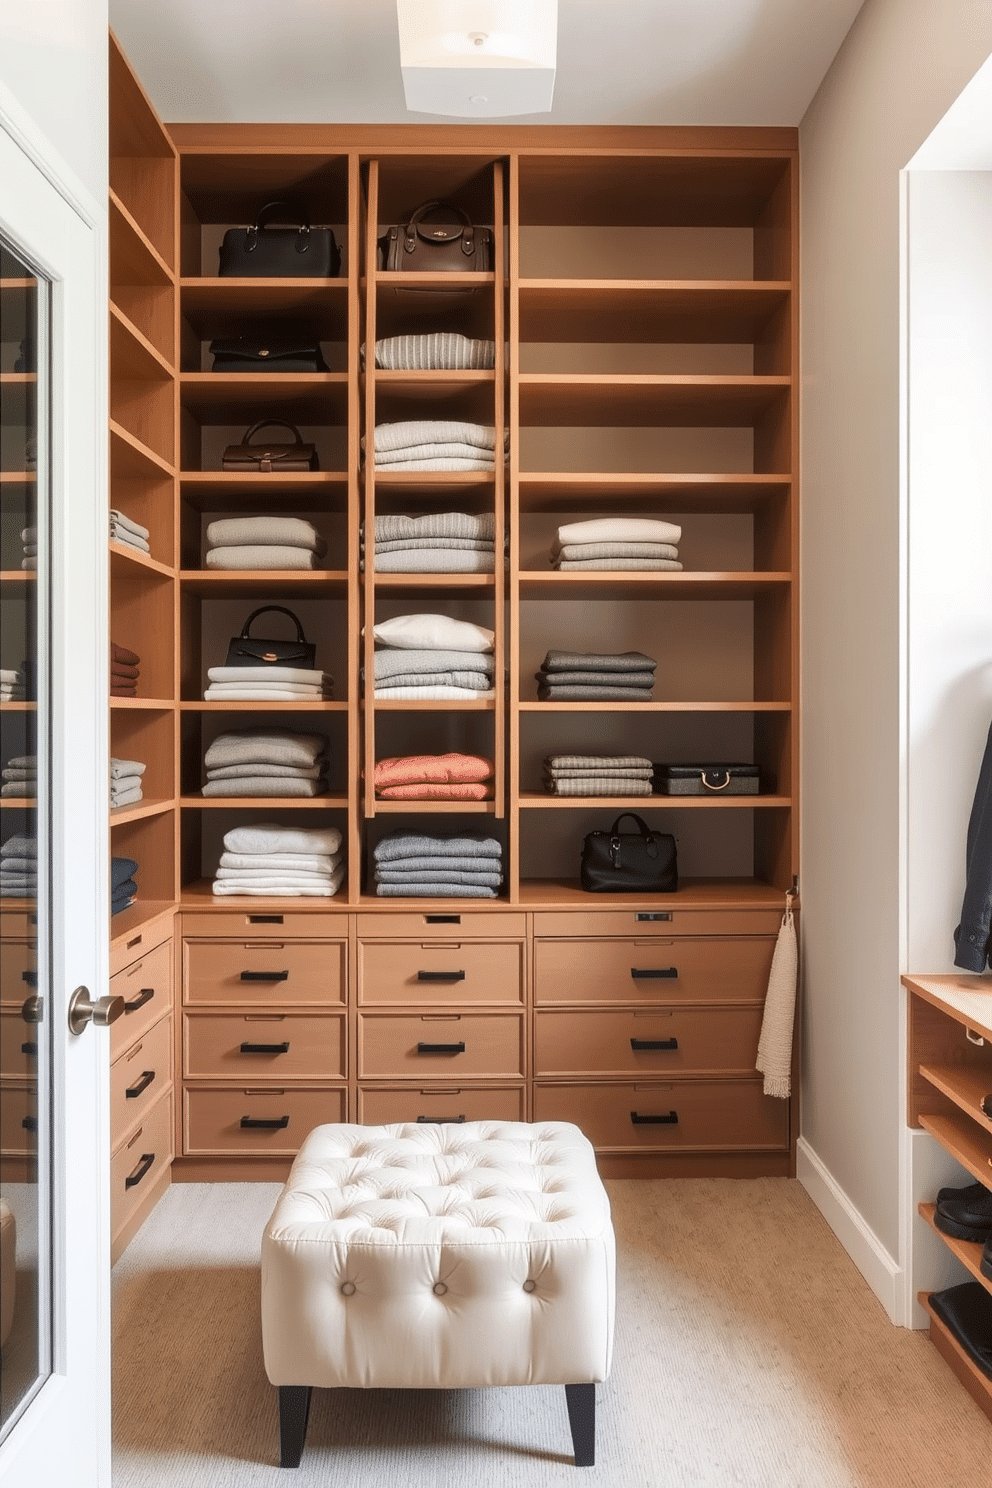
<point x="18" y="970"/>
<point x="214" y="1118"/>
<point x="724" y="969"/>
<point x="270" y="924"/>
<point x="18" y="924"/>
<point x="250" y="972"/>
<point x="264" y="1046"/>
<point x="383" y="1107"/>
<point x="19" y="1116"/>
<point x="443" y="923"/>
<point x="139" y="1077"/>
<point x="473" y="971"/>
<point x="603" y="1042"/>
<point x="140" y="944"/>
<point x="645" y="922"/>
<point x="695" y="1115"/>
<point x="139" y="1161"/>
<point x="476" y="1044"/>
<point x="146" y="987"/>
<point x="18" y="1045"/>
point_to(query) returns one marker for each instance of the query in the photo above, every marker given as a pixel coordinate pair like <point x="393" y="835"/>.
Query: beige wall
<point x="901" y="66"/>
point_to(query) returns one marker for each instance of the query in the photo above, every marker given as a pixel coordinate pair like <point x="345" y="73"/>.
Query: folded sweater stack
<point x="435" y="444"/>
<point x="12" y="688"/>
<point x="125" y="782"/>
<point x="409" y="862"/>
<point x="420" y="676"/>
<point x="266" y="762"/>
<point x="435" y="777"/>
<point x="588" y="676"/>
<point x="281" y="862"/>
<point x="19" y="868"/>
<point x="124" y="671"/>
<point x="268" y="683"/>
<point x="264" y="542"/>
<point x="20" y="776"/>
<point x="446" y="350"/>
<point x="29" y="537"/>
<point x="123" y="886"/>
<point x="440" y="542"/>
<point x="598" y="775"/>
<point x="132" y="534"/>
<point x="623" y="543"/>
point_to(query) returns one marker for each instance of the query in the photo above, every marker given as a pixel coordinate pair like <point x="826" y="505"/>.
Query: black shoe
<point x="973" y="1191"/>
<point x="966" y="1219"/>
<point x="985" y="1264"/>
<point x="966" y="1310"/>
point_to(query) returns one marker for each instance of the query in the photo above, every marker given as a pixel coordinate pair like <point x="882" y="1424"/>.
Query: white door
<point x="54" y="1139"/>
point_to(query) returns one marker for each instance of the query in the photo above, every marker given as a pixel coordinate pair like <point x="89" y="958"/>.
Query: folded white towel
<point x="269" y="837"/>
<point x="282" y="862"/>
<point x="266" y="674"/>
<point x="620" y="529"/>
<point x="263" y="890"/>
<point x="272" y="876"/>
<point x="224" y="693"/>
<point x="427" y="694"/>
<point x="433" y="633"/>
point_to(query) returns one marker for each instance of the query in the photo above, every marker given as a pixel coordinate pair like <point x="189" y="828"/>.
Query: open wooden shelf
<point x="220" y="583"/>
<point x="978" y="1385"/>
<point x="584" y="491"/>
<point x="607" y="585"/>
<point x="133" y="256"/>
<point x="527" y="705"/>
<point x="146" y="807"/>
<point x="968" y="1252"/>
<point x="635" y="310"/>
<point x="263" y="706"/>
<point x="964" y="1141"/>
<point x="266" y="803"/>
<point x="229" y="490"/>
<point x="129" y="563"/>
<point x="222" y="306"/>
<point x="542" y="801"/>
<point x="443" y="808"/>
<point x="130" y="459"/>
<point x="132" y="355"/>
<point x="693" y="893"/>
<point x="553" y="399"/>
<point x="240" y="397"/>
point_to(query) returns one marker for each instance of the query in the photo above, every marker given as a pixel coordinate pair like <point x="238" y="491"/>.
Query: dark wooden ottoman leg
<point x="294" y="1412"/>
<point x="581" y="1401"/>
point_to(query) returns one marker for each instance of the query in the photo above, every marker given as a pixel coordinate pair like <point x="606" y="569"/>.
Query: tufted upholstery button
<point x="439" y="1288"/>
<point x="530" y="1286"/>
<point x="348" y="1288"/>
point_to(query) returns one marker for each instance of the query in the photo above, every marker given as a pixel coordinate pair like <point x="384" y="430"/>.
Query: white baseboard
<point x="880" y="1270"/>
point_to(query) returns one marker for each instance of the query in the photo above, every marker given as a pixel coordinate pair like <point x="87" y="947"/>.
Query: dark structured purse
<point x="439" y="237"/>
<point x="268" y="455"/>
<point x="641" y="862"/>
<point x="265" y="353"/>
<point x="706" y="780"/>
<point x="247" y="650"/>
<point x="263" y="252"/>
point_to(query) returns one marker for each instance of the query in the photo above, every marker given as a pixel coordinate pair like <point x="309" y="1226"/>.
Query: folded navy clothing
<point x="123" y="897"/>
<point x="121" y="869"/>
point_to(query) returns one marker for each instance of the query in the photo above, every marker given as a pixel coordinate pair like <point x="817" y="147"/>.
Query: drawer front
<point x="644" y="922"/>
<point x="275" y="924"/>
<point x="18" y="924"/>
<point x="18" y="970"/>
<point x="730" y="969"/>
<point x="686" y="1040"/>
<point x="139" y="1077"/>
<point x="264" y="1046"/>
<point x="474" y="971"/>
<point x="19" y="1117"/>
<point x="141" y="943"/>
<point x="442" y="923"/>
<point x="249" y="972"/>
<point x="446" y="1046"/>
<point x="139" y="1161"/>
<point x="146" y="987"/>
<point x="221" y="1121"/>
<point x="692" y="1116"/>
<point x="444" y="1105"/>
<point x="18" y="1045"/>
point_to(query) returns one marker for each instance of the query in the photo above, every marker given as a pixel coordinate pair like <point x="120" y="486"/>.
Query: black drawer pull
<point x="265" y="1048"/>
<point x="31" y="977"/>
<point x="649" y="916"/>
<point x="672" y="1119"/>
<point x="261" y="1123"/>
<point x="30" y="1123"/>
<point x="441" y="1048"/>
<point x="265" y="976"/>
<point x="670" y="1043"/>
<point x="654" y="973"/>
<point x="145" y="995"/>
<point x="265" y="919"/>
<point x="442" y="919"/>
<point x="133" y="1179"/>
<point x="440" y="1120"/>
<point x="30" y="1048"/>
<point x="139" y="1086"/>
<point x="440" y="976"/>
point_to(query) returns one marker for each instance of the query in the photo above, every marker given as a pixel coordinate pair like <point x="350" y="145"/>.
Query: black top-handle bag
<point x="247" y="650"/>
<point x="263" y="252"/>
<point x="641" y="862"/>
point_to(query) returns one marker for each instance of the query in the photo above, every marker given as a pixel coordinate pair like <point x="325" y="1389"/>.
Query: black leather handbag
<point x="641" y="862"/>
<point x="263" y="252"/>
<point x="247" y="650"/>
<point x="439" y="238"/>
<point x="264" y="353"/>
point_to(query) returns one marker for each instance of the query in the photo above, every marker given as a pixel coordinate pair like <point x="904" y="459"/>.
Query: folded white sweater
<point x="620" y="529"/>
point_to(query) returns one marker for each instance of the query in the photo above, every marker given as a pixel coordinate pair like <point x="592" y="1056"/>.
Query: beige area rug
<point x="749" y="1351"/>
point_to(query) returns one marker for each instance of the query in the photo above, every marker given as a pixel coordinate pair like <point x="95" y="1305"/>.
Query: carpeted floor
<point x="749" y="1351"/>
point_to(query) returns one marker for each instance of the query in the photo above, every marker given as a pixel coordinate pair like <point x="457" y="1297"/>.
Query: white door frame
<point x="64" y="1434"/>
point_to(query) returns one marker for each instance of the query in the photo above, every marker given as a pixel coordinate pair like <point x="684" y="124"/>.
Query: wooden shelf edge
<point x="527" y="705"/>
<point x="128" y="328"/>
<point x="146" y="243"/>
<point x="958" y="1136"/>
<point x="137" y="917"/>
<point x="126" y="554"/>
<point x="140" y="810"/>
<point x="248" y="803"/>
<point x="968" y="1252"/>
<point x="135" y="446"/>
<point x="537" y="801"/>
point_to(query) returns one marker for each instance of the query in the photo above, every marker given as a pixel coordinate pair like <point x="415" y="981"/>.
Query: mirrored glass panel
<point x="25" y="1043"/>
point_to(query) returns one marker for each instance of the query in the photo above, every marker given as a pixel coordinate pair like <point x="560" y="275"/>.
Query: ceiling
<point x="755" y="62"/>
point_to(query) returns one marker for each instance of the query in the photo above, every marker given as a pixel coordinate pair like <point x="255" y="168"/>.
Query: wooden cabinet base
<point x="704" y="1116"/>
<point x="122" y="1237"/>
<point x="139" y="1173"/>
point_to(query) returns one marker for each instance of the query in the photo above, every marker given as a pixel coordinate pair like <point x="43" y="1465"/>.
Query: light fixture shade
<point x="478" y="58"/>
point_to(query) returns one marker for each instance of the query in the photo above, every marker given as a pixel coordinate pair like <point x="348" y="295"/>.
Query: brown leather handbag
<point x="269" y="455"/>
<point x="439" y="237"/>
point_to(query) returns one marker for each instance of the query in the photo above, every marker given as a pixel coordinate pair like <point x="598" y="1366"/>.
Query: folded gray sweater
<point x="620" y="565"/>
<point x="433" y="431"/>
<point x="263" y="767"/>
<point x="598" y="762"/>
<point x="470" y="681"/>
<point x="438" y="875"/>
<point x="271" y="746"/>
<point x="406" y="842"/>
<point x="444" y="350"/>
<point x="425" y="890"/>
<point x="394" y="660"/>
<point x="265" y="785"/>
<point x="564" y="693"/>
<point x="637" y="681"/>
<point x="391" y="528"/>
<point x="595" y="661"/>
<point x="614" y="550"/>
<point x="435" y="560"/>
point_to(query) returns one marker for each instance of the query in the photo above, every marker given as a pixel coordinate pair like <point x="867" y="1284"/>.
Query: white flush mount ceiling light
<point x="478" y="59"/>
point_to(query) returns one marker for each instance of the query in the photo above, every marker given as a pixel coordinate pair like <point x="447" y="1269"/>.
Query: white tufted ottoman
<point x="439" y="1257"/>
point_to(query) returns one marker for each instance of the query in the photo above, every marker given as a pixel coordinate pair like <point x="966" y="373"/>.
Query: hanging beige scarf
<point x="775" y="1044"/>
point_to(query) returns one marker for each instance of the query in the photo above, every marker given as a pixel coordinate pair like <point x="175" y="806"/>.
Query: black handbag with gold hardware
<point x="247" y="650"/>
<point x="641" y="862"/>
<point x="264" y="353"/>
<point x="263" y="252"/>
